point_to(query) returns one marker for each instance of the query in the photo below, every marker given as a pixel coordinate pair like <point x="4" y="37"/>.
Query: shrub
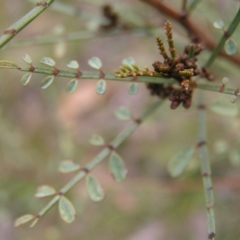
<point x="189" y="63"/>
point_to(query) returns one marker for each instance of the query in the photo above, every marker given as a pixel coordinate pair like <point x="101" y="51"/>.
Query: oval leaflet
<point x="46" y="82"/>
<point x="73" y="64"/>
<point x="218" y="24"/>
<point x="128" y="61"/>
<point x="230" y="47"/>
<point x="27" y="59"/>
<point x="8" y="64"/>
<point x="26" y="78"/>
<point x="66" y="210"/>
<point x="72" y="86"/>
<point x="224" y="107"/>
<point x="123" y="113"/>
<point x="133" y="88"/>
<point x="67" y="166"/>
<point x="96" y="140"/>
<point x="179" y="162"/>
<point x="48" y="61"/>
<point x="101" y="86"/>
<point x="45" y="191"/>
<point x="23" y="219"/>
<point x="117" y="167"/>
<point x="94" y="189"/>
<point x="95" y="62"/>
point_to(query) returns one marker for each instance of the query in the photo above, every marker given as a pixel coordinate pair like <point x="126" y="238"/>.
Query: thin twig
<point x="216" y="88"/>
<point x="100" y="157"/>
<point x="205" y="166"/>
<point x="79" y="35"/>
<point x="23" y="22"/>
<point x="202" y="144"/>
<point x="51" y="39"/>
<point x="111" y="77"/>
<point x="155" y="78"/>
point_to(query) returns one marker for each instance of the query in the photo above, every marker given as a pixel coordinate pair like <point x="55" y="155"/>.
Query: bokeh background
<point x="40" y="128"/>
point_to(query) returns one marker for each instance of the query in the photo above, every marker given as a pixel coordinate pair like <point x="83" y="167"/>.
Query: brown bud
<point x="174" y="104"/>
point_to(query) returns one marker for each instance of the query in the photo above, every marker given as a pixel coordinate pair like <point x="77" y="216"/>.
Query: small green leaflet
<point x="96" y="140"/>
<point x="94" y="189"/>
<point x="66" y="210"/>
<point x="23" y="219"/>
<point x="67" y="166"/>
<point x="95" y="62"/>
<point x="73" y="64"/>
<point x="230" y="47"/>
<point x="72" y="86"/>
<point x="133" y="88"/>
<point x="27" y="59"/>
<point x="128" y="61"/>
<point x="101" y="86"/>
<point x="179" y="161"/>
<point x="45" y="191"/>
<point x="26" y="78"/>
<point x="8" y="64"/>
<point x="225" y="80"/>
<point x="46" y="82"/>
<point x="117" y="167"/>
<point x="218" y="24"/>
<point x="224" y="107"/>
<point x="48" y="61"/>
<point x="123" y="113"/>
<point x="34" y="222"/>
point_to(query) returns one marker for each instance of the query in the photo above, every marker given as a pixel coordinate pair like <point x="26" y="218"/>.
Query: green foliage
<point x="45" y="191"/>
<point x="224" y="107"/>
<point x="101" y="87"/>
<point x="23" y="219"/>
<point x="230" y="47"/>
<point x="97" y="140"/>
<point x="95" y="62"/>
<point x="67" y="166"/>
<point x="94" y="189"/>
<point x="116" y="167"/>
<point x="72" y="86"/>
<point x="123" y="113"/>
<point x="26" y="78"/>
<point x="179" y="162"/>
<point x="38" y="130"/>
<point x="66" y="210"/>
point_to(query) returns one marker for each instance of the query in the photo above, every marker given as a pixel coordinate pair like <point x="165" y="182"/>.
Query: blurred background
<point x="40" y="128"/>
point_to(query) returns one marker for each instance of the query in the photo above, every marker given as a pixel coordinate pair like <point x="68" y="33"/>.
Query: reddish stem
<point x="195" y="33"/>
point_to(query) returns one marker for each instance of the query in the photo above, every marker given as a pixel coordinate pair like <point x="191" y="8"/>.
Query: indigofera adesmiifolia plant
<point x="183" y="68"/>
<point x="174" y="77"/>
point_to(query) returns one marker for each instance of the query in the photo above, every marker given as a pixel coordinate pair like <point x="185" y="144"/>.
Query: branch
<point x="216" y="88"/>
<point x="112" y="77"/>
<point x="99" y="158"/>
<point x="23" y="22"/>
<point x="77" y="74"/>
<point x="195" y="33"/>
<point x="76" y="36"/>
<point x="205" y="166"/>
